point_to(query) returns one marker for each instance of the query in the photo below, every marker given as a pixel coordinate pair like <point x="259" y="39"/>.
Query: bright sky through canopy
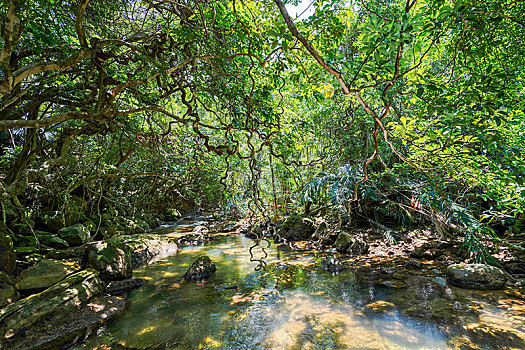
<point x="303" y="5"/>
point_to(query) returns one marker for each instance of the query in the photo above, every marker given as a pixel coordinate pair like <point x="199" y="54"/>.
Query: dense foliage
<point x="409" y="108"/>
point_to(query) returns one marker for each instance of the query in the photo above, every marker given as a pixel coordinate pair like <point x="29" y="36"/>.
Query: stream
<point x="295" y="304"/>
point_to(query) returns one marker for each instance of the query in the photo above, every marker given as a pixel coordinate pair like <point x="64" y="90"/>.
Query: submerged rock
<point x="378" y="307"/>
<point x="75" y="235"/>
<point x="25" y="316"/>
<point x="44" y="274"/>
<point x="121" y="287"/>
<point x="295" y="228"/>
<point x="202" y="268"/>
<point x="112" y="261"/>
<point x="332" y="265"/>
<point x="194" y="239"/>
<point x="476" y="276"/>
<point x="413" y="264"/>
<point x="346" y="243"/>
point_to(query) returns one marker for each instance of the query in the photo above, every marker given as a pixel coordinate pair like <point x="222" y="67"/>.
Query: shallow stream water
<point x="293" y="304"/>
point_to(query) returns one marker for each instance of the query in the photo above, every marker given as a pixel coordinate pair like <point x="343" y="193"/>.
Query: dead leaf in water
<point x="243" y="298"/>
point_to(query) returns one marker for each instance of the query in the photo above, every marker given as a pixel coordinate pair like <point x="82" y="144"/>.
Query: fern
<point x="473" y="229"/>
<point x="333" y="189"/>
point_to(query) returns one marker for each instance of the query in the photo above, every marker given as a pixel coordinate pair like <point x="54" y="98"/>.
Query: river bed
<point x="295" y="304"/>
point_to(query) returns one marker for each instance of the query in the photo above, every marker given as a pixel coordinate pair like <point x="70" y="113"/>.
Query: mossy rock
<point x="75" y="235"/>
<point x="90" y="225"/>
<point x="111" y="260"/>
<point x="44" y="274"/>
<point x="146" y="248"/>
<point x="52" y="241"/>
<point x="202" y="268"/>
<point x="54" y="220"/>
<point x="27" y="315"/>
<point x="296" y="228"/>
<point x="28" y="241"/>
<point x="346" y="243"/>
<point x="8" y="293"/>
<point x="24" y="251"/>
<point x="7" y="255"/>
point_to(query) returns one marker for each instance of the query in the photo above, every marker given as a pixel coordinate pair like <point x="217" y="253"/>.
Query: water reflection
<point x="292" y="305"/>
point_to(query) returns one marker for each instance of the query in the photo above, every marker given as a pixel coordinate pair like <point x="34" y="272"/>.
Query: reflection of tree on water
<point x="293" y="304"/>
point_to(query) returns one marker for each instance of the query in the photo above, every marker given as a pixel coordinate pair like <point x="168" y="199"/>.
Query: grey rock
<point x="476" y="276"/>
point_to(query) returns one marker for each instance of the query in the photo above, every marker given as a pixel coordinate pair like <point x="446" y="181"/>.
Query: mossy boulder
<point x="111" y="260"/>
<point x="40" y="311"/>
<point x="476" y="276"/>
<point x="295" y="228"/>
<point x="346" y="243"/>
<point x="202" y="268"/>
<point x="51" y="240"/>
<point x="44" y="274"/>
<point x="64" y="330"/>
<point x="75" y="235"/>
<point x="146" y="248"/>
<point x="7" y="255"/>
<point x="54" y="220"/>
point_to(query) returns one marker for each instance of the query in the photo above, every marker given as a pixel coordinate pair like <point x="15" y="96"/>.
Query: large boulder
<point x="61" y="331"/>
<point x="295" y="228"/>
<point x="146" y="248"/>
<point x="7" y="255"/>
<point x="20" y="319"/>
<point x="346" y="243"/>
<point x="44" y="274"/>
<point x="111" y="260"/>
<point x="75" y="235"/>
<point x="202" y="268"/>
<point x="476" y="276"/>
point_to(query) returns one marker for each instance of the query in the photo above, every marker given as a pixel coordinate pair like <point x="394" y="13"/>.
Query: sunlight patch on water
<point x="305" y="322"/>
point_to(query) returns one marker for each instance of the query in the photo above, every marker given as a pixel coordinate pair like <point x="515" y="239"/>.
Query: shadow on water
<point x="294" y="304"/>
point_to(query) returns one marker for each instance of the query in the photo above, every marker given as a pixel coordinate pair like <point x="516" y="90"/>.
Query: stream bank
<point x="309" y="296"/>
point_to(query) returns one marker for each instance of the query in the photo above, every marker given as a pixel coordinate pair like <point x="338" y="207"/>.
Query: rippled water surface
<point x="294" y="304"/>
